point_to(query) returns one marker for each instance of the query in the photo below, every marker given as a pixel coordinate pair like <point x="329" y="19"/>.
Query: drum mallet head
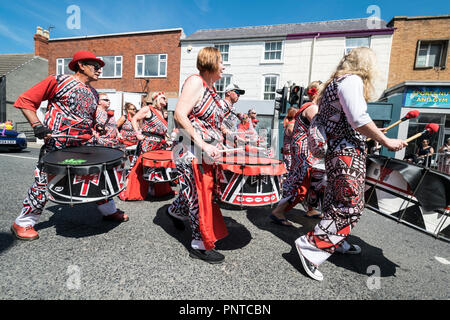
<point x="432" y="127"/>
<point x="412" y="114"/>
<point x="110" y="113"/>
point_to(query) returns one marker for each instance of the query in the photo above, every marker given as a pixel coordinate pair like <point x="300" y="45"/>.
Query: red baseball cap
<point x="84" y="55"/>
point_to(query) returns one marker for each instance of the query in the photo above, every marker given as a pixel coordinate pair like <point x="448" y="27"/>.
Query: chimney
<point x="41" y="43"/>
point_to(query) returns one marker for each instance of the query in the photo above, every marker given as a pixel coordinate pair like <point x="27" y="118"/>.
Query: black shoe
<point x="210" y="256"/>
<point x="177" y="223"/>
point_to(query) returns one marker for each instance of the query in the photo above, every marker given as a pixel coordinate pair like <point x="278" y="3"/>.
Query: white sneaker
<point x="311" y="269"/>
<point x="347" y="248"/>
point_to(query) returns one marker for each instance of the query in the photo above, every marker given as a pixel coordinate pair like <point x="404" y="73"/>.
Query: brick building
<point x="419" y="49"/>
<point x="138" y="62"/>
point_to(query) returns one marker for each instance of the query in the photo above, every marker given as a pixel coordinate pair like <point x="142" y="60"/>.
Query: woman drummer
<point x="198" y="114"/>
<point x="152" y="135"/>
<point x="126" y="128"/>
<point x="343" y="110"/>
<point x="297" y="181"/>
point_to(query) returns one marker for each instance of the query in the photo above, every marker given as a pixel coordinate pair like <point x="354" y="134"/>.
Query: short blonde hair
<point x="208" y="59"/>
<point x="360" y="61"/>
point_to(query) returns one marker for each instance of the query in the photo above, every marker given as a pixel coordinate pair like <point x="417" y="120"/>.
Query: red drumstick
<point x="430" y="128"/>
<point x="85" y="136"/>
<point x="410" y="115"/>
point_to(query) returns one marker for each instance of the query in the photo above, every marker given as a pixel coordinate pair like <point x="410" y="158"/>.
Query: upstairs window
<point x="151" y="65"/>
<point x="112" y="68"/>
<point x="62" y="66"/>
<point x="352" y="43"/>
<point x="272" y="51"/>
<point x="224" y="51"/>
<point x="431" y="54"/>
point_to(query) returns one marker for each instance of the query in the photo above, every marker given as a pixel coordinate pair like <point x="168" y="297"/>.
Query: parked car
<point x="12" y="140"/>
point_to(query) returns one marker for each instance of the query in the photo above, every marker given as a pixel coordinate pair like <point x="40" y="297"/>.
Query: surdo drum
<point x="159" y="166"/>
<point x="84" y="174"/>
<point x="251" y="181"/>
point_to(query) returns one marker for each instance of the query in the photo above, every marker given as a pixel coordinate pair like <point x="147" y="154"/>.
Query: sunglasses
<point x="96" y="66"/>
<point x="107" y="100"/>
<point x="132" y="109"/>
<point x="237" y="92"/>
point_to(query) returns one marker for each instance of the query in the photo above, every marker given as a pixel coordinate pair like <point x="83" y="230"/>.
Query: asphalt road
<point x="78" y="256"/>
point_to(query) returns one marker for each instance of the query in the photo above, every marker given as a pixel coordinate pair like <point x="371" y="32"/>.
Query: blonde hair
<point x="208" y="59"/>
<point x="360" y="61"/>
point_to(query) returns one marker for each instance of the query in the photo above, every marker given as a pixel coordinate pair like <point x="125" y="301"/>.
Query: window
<point x="272" y="51"/>
<point x="151" y="65"/>
<point x="224" y="50"/>
<point x="352" y="43"/>
<point x="431" y="54"/>
<point x="62" y="66"/>
<point x="270" y="86"/>
<point x="112" y="68"/>
<point x="222" y="84"/>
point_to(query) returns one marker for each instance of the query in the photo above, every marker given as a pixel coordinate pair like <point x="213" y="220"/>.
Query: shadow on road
<point x="238" y="236"/>
<point x="370" y="255"/>
<point x="79" y="221"/>
<point x="7" y="240"/>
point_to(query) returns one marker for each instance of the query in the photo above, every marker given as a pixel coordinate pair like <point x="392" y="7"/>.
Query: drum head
<point x="82" y="160"/>
<point x="250" y="165"/>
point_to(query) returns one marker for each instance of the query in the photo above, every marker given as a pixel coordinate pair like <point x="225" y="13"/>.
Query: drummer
<point x="128" y="136"/>
<point x="72" y="103"/>
<point x="198" y="114"/>
<point x="106" y="135"/>
<point x="297" y="182"/>
<point x="152" y="134"/>
<point x="231" y="120"/>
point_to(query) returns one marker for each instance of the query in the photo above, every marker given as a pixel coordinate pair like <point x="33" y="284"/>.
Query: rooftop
<point x="282" y="30"/>
<point x="10" y="62"/>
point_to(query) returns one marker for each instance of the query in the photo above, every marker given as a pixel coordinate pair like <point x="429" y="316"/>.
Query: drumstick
<point x="85" y="136"/>
<point x="231" y="150"/>
<point x="431" y="128"/>
<point x="410" y="115"/>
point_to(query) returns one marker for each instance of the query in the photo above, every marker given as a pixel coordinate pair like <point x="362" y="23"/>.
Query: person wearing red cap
<point x="72" y="103"/>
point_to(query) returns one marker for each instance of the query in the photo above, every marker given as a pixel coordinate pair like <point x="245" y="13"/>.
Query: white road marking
<point x="13" y="156"/>
<point x="442" y="260"/>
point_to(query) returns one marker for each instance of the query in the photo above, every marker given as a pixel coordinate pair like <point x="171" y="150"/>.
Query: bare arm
<point x="138" y="117"/>
<point x="190" y="96"/>
<point x="372" y="131"/>
<point x="121" y="121"/>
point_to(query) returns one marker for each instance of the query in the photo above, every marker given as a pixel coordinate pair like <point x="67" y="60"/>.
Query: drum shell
<point x="158" y="166"/>
<point x="73" y="184"/>
<point x="248" y="185"/>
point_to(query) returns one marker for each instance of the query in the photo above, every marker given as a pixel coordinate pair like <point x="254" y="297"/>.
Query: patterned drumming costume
<point x="127" y="132"/>
<point x="154" y="129"/>
<point x="71" y="111"/>
<point x="206" y="118"/>
<point x="345" y="163"/>
<point x="287" y="152"/>
<point x="297" y="185"/>
<point x="110" y="138"/>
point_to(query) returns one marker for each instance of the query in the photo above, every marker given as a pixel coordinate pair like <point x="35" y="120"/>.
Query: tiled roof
<point x="282" y="30"/>
<point x="9" y="62"/>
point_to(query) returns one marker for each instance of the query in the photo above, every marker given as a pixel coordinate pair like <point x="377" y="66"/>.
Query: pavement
<point x="81" y="257"/>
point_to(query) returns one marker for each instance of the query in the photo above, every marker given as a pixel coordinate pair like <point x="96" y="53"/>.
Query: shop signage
<point x="434" y="97"/>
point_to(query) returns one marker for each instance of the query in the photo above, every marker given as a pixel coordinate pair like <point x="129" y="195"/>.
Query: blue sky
<point x="19" y="18"/>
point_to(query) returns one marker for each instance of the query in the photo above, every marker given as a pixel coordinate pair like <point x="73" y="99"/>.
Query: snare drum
<point x="251" y="181"/>
<point x="84" y="174"/>
<point x="159" y="166"/>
